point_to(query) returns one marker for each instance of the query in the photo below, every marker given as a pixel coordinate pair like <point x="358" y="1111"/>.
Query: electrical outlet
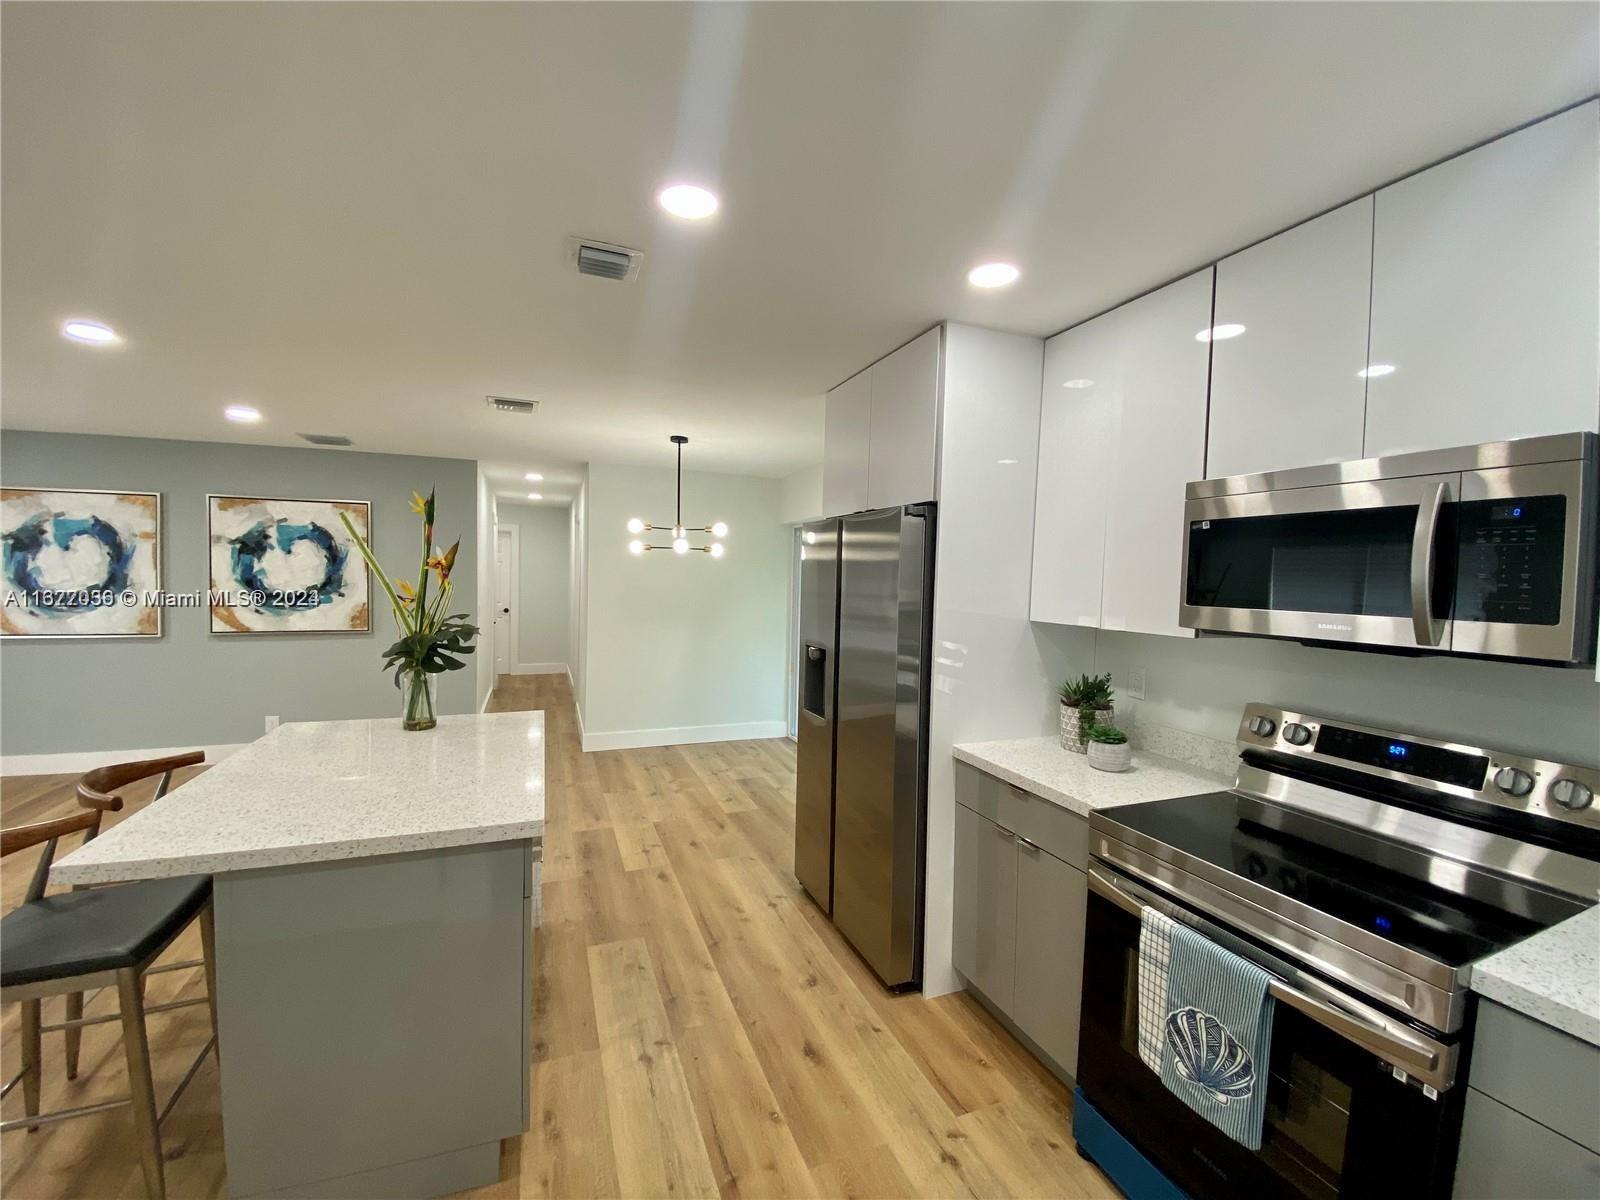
<point x="1136" y="683"/>
<point x="272" y="723"/>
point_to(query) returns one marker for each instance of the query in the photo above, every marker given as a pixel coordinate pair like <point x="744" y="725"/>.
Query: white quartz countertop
<point x="1553" y="976"/>
<point x="1039" y="765"/>
<point x="319" y="791"/>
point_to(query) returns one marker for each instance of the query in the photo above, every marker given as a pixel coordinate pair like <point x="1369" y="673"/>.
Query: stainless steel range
<point x="1366" y="870"/>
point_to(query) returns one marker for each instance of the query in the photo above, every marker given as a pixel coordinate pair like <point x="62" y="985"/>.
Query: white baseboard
<point x="75" y="762"/>
<point x="632" y="739"/>
<point x="541" y="669"/>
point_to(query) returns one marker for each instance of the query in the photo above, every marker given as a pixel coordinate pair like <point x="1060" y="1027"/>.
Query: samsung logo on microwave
<point x="1339" y="628"/>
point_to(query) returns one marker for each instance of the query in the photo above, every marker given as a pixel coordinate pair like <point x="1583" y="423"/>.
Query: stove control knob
<point x="1296" y="734"/>
<point x="1571" y="794"/>
<point x="1262" y="726"/>
<point x="1513" y="781"/>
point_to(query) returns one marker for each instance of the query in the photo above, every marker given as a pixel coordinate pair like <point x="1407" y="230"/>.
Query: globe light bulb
<point x="635" y="525"/>
<point x="716" y="549"/>
<point x="680" y="545"/>
<point x="636" y="547"/>
<point x="720" y="529"/>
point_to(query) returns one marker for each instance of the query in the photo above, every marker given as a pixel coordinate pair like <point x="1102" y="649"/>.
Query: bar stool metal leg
<point x="130" y="994"/>
<point x="73" y="1033"/>
<point x="31" y="1071"/>
<point x="208" y="950"/>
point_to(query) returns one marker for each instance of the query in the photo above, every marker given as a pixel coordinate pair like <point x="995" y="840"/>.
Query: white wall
<point x="800" y="496"/>
<point x="1201" y="684"/>
<point x="984" y="651"/>
<point x="483" y="667"/>
<point x="577" y="617"/>
<point x="683" y="648"/>
<point x="543" y="584"/>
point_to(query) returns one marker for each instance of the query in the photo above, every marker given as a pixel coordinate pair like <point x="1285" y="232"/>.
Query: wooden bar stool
<point x="94" y="937"/>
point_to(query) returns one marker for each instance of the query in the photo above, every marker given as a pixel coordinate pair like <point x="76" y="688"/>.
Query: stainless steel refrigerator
<point x="866" y="609"/>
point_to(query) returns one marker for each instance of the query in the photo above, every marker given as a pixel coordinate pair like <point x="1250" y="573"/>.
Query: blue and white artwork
<point x="80" y="564"/>
<point x="287" y="566"/>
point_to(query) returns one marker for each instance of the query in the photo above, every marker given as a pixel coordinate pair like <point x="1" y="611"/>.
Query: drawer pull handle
<point x="1034" y="846"/>
<point x="1004" y="832"/>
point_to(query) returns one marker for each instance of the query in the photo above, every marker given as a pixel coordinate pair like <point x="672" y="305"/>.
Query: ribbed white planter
<point x="1107" y="756"/>
<point x="1070" y="739"/>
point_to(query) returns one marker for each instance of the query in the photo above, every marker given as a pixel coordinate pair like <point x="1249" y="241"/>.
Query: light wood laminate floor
<point x="699" y="1028"/>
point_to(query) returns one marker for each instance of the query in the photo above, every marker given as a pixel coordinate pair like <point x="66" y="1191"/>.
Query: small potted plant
<point x="1085" y="701"/>
<point x="1109" y="749"/>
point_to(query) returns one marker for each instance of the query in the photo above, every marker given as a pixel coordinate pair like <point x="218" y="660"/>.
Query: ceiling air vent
<point x="327" y="439"/>
<point x="603" y="259"/>
<point x="507" y="404"/>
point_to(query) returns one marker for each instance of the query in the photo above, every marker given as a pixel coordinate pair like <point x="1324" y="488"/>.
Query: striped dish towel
<point x="1155" y="952"/>
<point x="1218" y="1036"/>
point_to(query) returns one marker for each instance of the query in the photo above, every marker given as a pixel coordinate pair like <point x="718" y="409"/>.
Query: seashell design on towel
<point x="1207" y="1055"/>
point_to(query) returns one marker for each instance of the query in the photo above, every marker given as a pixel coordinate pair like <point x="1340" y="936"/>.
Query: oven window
<point x="1308" y="1096"/>
<point x="1348" y="561"/>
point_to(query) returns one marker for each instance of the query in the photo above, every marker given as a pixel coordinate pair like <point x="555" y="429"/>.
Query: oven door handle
<point x="1428" y="630"/>
<point x="1350" y="1019"/>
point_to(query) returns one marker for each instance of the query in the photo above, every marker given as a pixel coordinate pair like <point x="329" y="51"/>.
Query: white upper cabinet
<point x="1076" y="424"/>
<point x="905" y="416"/>
<point x="1122" y="430"/>
<point x="1288" y="391"/>
<point x="1484" y="293"/>
<point x="1159" y="447"/>
<point x="846" y="427"/>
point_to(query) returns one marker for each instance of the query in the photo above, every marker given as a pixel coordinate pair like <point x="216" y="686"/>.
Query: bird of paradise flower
<point x="432" y="638"/>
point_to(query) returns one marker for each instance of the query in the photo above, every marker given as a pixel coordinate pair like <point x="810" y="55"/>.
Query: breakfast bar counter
<point x="374" y="893"/>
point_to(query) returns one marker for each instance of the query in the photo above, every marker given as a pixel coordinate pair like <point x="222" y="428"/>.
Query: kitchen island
<point x="374" y="894"/>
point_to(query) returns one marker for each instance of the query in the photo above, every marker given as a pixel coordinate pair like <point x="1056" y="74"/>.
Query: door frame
<point x="514" y="543"/>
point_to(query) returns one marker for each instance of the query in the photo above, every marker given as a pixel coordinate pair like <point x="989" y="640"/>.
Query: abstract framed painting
<point x="287" y="566"/>
<point x="80" y="563"/>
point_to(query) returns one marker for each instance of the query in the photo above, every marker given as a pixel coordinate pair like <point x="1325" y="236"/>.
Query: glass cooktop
<point x="1286" y="851"/>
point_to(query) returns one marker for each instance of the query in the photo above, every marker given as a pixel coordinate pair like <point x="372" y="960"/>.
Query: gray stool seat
<point x="99" y="929"/>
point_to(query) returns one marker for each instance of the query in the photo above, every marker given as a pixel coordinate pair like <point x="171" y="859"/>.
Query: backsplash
<point x="1200" y="685"/>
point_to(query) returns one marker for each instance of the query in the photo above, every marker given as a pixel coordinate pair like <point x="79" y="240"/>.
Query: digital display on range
<point x="1411" y="758"/>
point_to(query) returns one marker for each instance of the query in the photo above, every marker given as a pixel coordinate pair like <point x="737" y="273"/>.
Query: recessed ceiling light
<point x="243" y="414"/>
<point x="534" y="477"/>
<point x="1078" y="383"/>
<point x="1376" y="371"/>
<point x="1219" y="333"/>
<point x="90" y="333"/>
<point x="688" y="200"/>
<point x="535" y="496"/>
<point x="993" y="275"/>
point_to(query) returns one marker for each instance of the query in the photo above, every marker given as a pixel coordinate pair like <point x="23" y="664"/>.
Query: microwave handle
<point x="1428" y="630"/>
<point x="1428" y="1061"/>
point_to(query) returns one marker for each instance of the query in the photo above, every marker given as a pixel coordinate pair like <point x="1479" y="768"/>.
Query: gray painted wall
<point x="191" y="686"/>
<point x="544" y="580"/>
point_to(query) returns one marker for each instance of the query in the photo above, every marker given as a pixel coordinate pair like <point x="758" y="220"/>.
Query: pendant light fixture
<point x="680" y="531"/>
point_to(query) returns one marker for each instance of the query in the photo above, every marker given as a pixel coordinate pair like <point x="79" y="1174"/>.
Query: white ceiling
<point x="353" y="216"/>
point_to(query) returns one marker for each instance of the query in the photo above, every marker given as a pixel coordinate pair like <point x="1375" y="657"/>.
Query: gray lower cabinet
<point x="1019" y="912"/>
<point x="1532" y="1125"/>
<point x="1051" y="897"/>
<point x="986" y="906"/>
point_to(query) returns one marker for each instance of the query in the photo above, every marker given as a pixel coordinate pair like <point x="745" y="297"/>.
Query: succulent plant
<point x="1109" y="734"/>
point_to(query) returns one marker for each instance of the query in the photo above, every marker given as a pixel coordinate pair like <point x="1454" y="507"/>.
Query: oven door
<point x="1368" y="563"/>
<point x="1339" y="1123"/>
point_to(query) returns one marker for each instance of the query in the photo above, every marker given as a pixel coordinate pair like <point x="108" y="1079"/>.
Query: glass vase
<point x="420" y="692"/>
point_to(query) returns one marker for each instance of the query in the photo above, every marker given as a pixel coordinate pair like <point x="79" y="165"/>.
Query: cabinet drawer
<point x="1505" y="1156"/>
<point x="1048" y="826"/>
<point x="1537" y="1070"/>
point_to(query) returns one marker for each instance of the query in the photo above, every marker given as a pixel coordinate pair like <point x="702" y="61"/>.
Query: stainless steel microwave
<point x="1484" y="550"/>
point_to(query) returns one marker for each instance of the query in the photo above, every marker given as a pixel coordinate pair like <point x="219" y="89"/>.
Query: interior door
<point x="503" y="601"/>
